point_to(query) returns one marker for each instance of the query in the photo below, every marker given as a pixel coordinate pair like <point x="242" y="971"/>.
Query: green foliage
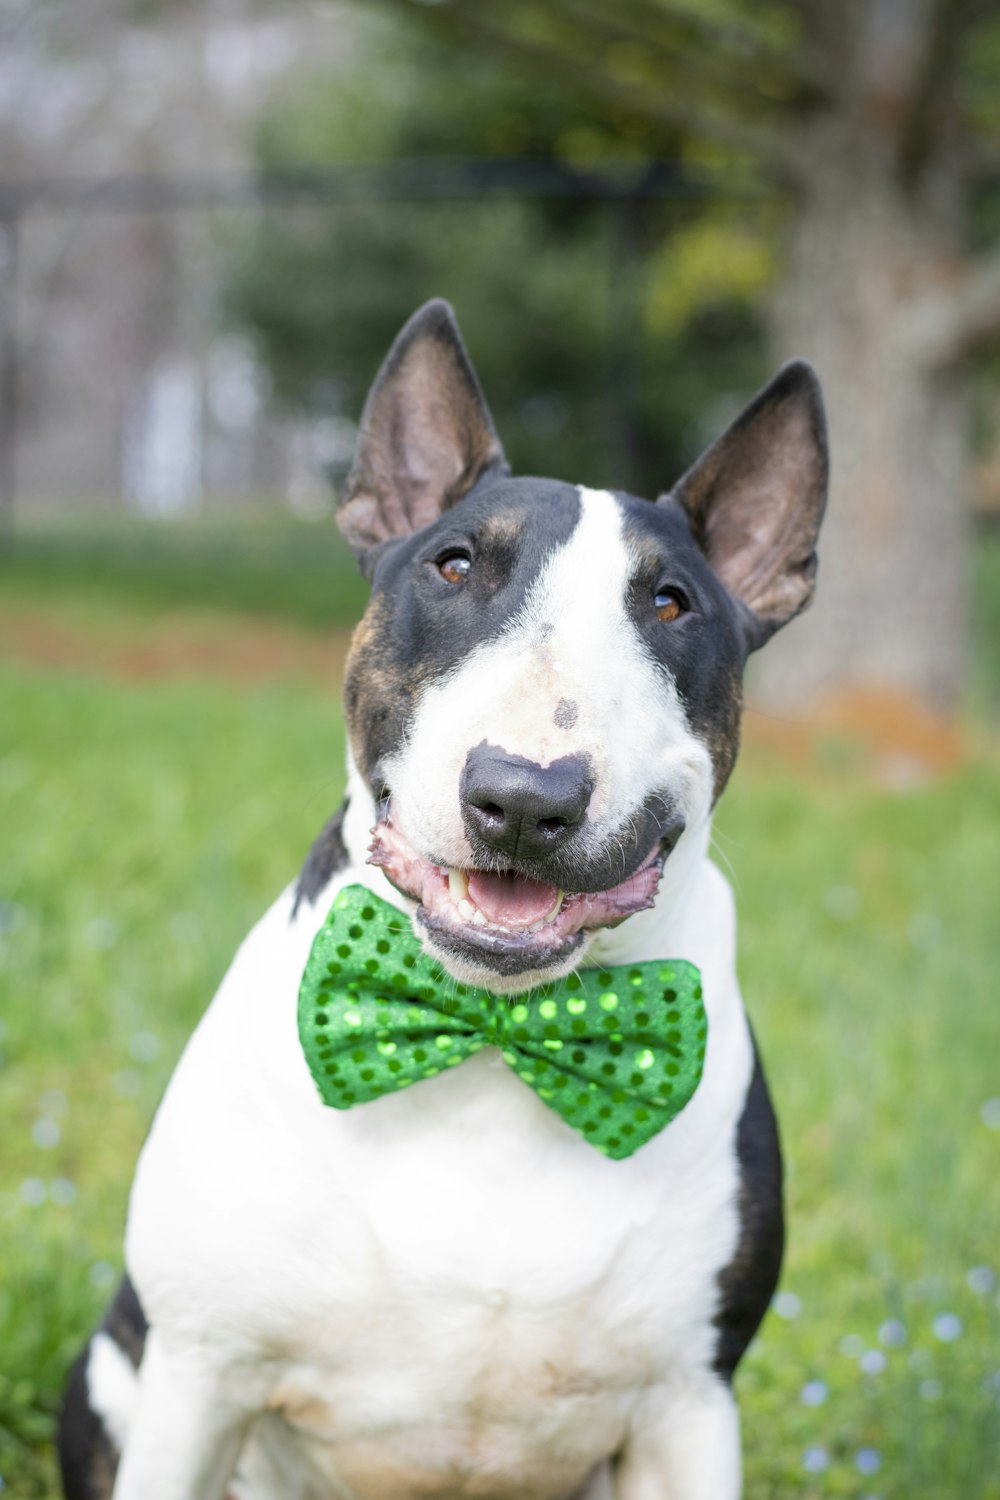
<point x="560" y="300"/>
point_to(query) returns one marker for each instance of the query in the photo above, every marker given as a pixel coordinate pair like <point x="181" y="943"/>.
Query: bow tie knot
<point x="616" y="1052"/>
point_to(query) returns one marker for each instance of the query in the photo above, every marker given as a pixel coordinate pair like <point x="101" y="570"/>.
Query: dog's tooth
<point x="458" y="884"/>
<point x="478" y="917"/>
<point x="551" y="916"/>
<point x="466" y="910"/>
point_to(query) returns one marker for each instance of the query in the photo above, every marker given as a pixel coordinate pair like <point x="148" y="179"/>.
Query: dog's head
<point x="544" y="694"/>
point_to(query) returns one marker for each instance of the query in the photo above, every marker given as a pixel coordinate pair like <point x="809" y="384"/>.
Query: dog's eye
<point x="670" y="604"/>
<point x="454" y="567"/>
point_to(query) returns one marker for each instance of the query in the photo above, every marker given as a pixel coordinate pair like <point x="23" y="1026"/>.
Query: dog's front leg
<point x="186" y="1434"/>
<point x="684" y="1445"/>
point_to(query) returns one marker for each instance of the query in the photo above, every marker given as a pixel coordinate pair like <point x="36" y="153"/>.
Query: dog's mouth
<point x="501" y="920"/>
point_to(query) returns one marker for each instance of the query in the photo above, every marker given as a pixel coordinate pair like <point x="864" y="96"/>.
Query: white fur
<point x="113" y="1386"/>
<point x="448" y="1292"/>
<point x="572" y="639"/>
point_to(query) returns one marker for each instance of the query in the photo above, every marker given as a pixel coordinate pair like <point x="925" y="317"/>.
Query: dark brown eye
<point x="454" y="568"/>
<point x="670" y="605"/>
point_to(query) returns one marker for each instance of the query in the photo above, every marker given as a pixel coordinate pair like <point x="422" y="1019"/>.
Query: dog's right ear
<point x="426" y="437"/>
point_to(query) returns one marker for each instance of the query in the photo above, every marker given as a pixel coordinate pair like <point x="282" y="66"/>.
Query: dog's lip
<point x="505" y="914"/>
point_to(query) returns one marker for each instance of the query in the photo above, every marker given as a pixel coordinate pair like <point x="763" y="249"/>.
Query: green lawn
<point x="262" y="561"/>
<point x="144" y="828"/>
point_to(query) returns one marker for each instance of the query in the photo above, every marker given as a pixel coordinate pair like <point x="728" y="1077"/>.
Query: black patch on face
<point x="87" y="1457"/>
<point x="327" y="855"/>
<point x="566" y="714"/>
<point x="705" y="650"/>
<point x="747" y="1284"/>
<point x="418" y="627"/>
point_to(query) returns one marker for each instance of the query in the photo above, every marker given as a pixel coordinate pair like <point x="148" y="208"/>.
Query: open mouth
<point x="503" y="920"/>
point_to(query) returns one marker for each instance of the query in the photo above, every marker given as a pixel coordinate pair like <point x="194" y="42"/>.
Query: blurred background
<point x="213" y="220"/>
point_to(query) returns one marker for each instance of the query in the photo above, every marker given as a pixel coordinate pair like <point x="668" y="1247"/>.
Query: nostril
<point x="493" y="811"/>
<point x="553" y="825"/>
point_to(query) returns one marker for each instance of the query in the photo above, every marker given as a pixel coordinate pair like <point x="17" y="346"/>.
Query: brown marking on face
<point x="724" y="741"/>
<point x="379" y="690"/>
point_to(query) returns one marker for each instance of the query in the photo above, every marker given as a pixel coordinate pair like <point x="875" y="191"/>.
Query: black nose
<point x="520" y="808"/>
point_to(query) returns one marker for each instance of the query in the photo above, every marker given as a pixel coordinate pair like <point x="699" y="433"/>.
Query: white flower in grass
<point x="947" y="1327"/>
<point x="144" y="1046"/>
<point x="873" y="1362"/>
<point x="852" y="1345"/>
<point x="842" y="903"/>
<point x="787" y="1305"/>
<point x="100" y="934"/>
<point x="62" y="1192"/>
<point x="892" y="1334"/>
<point x="814" y="1393"/>
<point x="930" y="1390"/>
<point x="53" y="1104"/>
<point x="990" y="1114"/>
<point x="126" y="1083"/>
<point x="980" y="1280"/>
<point x="33" y="1192"/>
<point x="45" y="1133"/>
<point x="102" y="1273"/>
<point x="185" y="926"/>
<point x="815" y="1460"/>
<point x="867" y="1460"/>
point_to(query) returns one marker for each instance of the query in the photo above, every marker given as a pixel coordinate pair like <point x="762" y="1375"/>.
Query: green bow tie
<point x="616" y="1052"/>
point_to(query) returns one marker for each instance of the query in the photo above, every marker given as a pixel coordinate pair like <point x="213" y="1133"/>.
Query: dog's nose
<point x="520" y="808"/>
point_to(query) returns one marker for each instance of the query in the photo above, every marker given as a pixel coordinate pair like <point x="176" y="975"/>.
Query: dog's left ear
<point x="426" y="437"/>
<point x="756" y="498"/>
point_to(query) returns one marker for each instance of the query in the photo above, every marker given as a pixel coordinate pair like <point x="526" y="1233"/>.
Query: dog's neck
<point x="663" y="930"/>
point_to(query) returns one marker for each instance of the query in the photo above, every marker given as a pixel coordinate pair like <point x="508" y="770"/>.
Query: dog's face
<point x="544" y="694"/>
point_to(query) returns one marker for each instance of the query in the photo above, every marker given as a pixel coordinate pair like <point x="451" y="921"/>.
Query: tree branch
<point x="779" y="149"/>
<point x="801" y="69"/>
<point x="945" y="329"/>
<point x="946" y="28"/>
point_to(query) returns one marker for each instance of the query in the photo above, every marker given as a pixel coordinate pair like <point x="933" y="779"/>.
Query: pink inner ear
<point x="426" y="435"/>
<point x="756" y="498"/>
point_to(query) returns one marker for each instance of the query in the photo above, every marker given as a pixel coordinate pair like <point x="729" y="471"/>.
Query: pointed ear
<point x="426" y="436"/>
<point x="755" y="499"/>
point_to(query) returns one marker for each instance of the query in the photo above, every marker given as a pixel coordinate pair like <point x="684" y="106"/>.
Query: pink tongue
<point x="513" y="900"/>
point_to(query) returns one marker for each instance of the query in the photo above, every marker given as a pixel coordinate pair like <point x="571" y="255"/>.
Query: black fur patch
<point x="418" y="627"/>
<point x="87" y="1457"/>
<point x="747" y="1284"/>
<point x="327" y="855"/>
<point x="705" y="650"/>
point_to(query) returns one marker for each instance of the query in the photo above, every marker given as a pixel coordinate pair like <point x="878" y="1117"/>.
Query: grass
<point x="147" y="825"/>
<point x="263" y="562"/>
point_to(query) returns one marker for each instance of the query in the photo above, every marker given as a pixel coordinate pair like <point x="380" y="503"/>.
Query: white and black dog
<point x="448" y="1292"/>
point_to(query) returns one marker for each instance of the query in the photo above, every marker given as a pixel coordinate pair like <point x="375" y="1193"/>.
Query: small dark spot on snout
<point x="566" y="714"/>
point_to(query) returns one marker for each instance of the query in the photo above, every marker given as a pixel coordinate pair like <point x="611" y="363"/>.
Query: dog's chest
<point x="444" y="1289"/>
<point x="498" y="1301"/>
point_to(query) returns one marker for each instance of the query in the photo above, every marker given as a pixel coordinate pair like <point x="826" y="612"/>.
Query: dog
<point x="449" y="1291"/>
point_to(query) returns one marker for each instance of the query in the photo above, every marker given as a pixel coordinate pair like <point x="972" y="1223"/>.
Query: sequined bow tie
<point x="616" y="1052"/>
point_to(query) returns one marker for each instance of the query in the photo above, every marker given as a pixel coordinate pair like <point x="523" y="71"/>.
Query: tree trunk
<point x="890" y="601"/>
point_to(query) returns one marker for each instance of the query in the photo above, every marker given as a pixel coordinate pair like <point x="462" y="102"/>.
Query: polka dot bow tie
<point x="616" y="1052"/>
